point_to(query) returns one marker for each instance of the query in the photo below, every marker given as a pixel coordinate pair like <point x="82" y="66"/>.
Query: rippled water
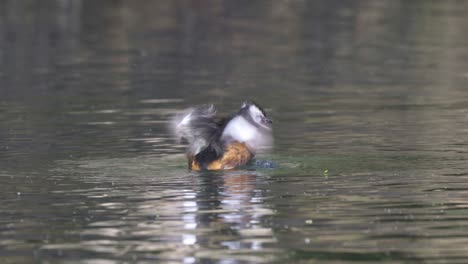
<point x="370" y="109"/>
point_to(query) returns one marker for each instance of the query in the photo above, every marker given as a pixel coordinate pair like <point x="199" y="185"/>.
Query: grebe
<point x="223" y="143"/>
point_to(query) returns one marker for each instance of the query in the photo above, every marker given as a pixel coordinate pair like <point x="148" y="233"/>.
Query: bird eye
<point x="258" y="118"/>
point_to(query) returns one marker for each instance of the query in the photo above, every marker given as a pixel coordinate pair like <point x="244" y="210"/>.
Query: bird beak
<point x="267" y="120"/>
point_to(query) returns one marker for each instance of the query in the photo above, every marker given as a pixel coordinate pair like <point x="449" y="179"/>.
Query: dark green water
<point x="369" y="99"/>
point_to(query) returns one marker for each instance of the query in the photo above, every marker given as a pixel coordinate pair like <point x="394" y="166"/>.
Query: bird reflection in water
<point x="226" y="213"/>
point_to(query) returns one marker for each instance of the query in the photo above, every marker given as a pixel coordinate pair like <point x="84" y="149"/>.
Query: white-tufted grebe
<point x="226" y="143"/>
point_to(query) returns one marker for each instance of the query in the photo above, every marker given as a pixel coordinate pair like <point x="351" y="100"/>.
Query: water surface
<point x="370" y="121"/>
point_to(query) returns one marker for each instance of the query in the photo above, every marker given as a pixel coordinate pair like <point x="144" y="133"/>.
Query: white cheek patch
<point x="257" y="115"/>
<point x="254" y="111"/>
<point x="257" y="119"/>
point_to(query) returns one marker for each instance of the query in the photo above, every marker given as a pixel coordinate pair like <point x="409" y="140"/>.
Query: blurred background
<point x="293" y="57"/>
<point x="365" y="95"/>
